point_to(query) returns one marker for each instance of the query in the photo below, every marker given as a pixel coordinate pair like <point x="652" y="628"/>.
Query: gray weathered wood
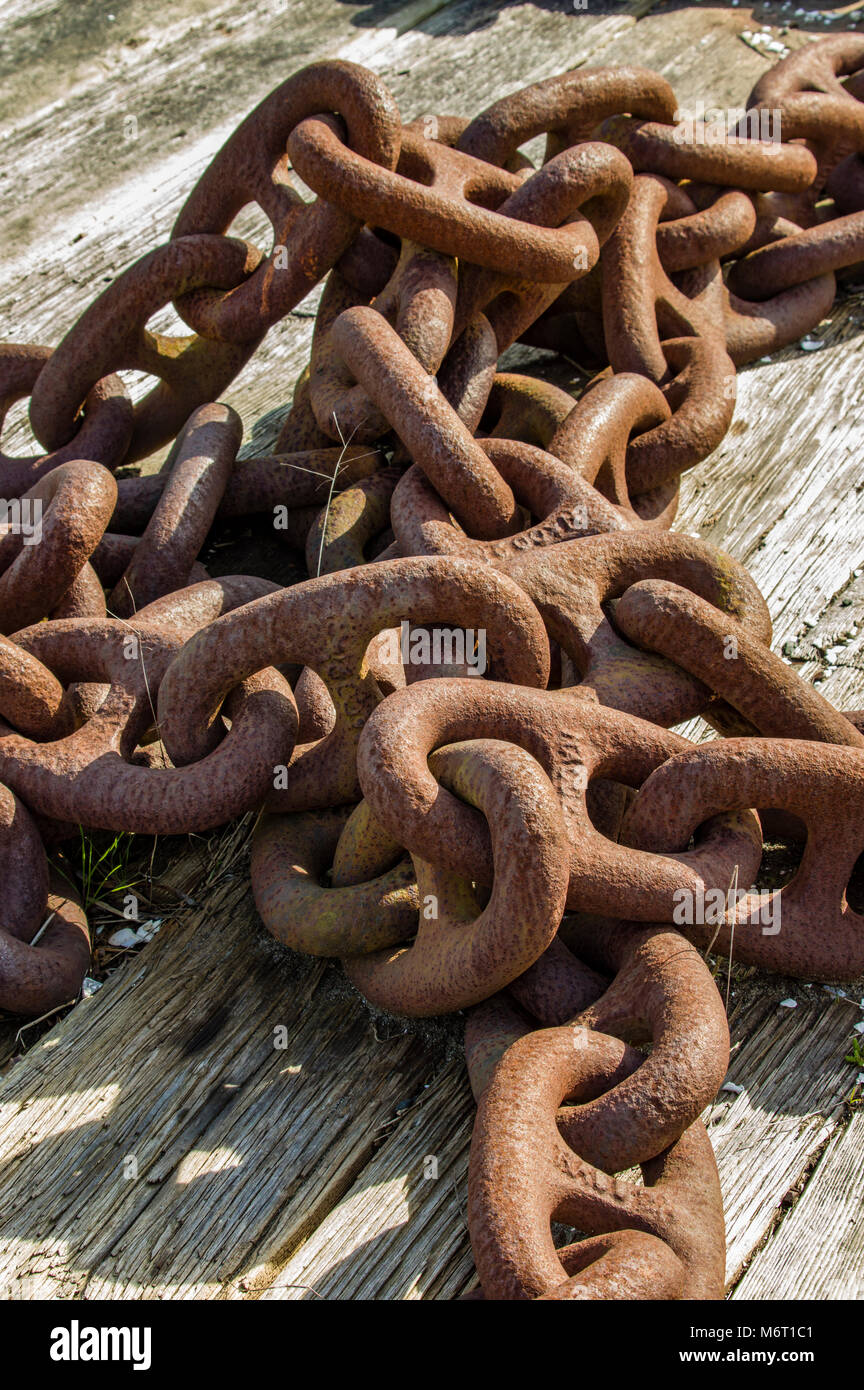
<point x="826" y="1222"/>
<point x="791" y="1065"/>
<point x="177" y="1154"/>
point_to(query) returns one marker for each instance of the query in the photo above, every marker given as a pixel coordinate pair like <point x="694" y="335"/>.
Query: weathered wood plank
<point x="92" y="98"/>
<point x="482" y="51"/>
<point x="791" y="1065"/>
<point x="401" y="1228"/>
<point x="827" y="1223"/>
<point x="173" y="1155"/>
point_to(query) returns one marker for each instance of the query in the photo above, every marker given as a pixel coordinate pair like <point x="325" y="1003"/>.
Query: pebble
<point x="127" y="937"/>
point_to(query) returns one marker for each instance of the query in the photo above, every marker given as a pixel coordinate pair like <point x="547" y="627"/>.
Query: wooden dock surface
<point x="157" y="1142"/>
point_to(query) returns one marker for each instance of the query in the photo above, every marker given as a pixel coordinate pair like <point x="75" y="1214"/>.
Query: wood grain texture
<point x="299" y="1172"/>
<point x="827" y="1223"/>
<point x="198" y="1117"/>
<point x="791" y="1065"/>
<point x="401" y="1228"/>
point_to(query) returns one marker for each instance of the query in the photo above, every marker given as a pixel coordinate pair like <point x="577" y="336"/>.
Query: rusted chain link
<point x="252" y="167"/>
<point x="41" y="558"/>
<point x="44" y="939"/>
<point x="524" y="1174"/>
<point x="112" y="334"/>
<point x="105" y="426"/>
<point x="575" y="740"/>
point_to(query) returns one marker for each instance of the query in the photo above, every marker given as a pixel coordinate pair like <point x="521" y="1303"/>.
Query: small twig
<point x="44" y="927"/>
<point x="140" y="645"/>
<point x="710" y="946"/>
<point x="150" y="865"/>
<point x="41" y="1019"/>
<point x="345" y="444"/>
<point x="733" y="889"/>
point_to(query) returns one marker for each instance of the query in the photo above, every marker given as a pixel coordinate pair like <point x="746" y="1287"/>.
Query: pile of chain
<point x="491" y="816"/>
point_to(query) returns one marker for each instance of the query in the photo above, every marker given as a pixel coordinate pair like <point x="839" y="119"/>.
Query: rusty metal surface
<point x="817" y="107"/>
<point x="291" y="855"/>
<point x="36" y="978"/>
<point x="818" y="935"/>
<point x="524" y="1173"/>
<point x="252" y="166"/>
<point x="105" y="427"/>
<point x="328" y="623"/>
<point x="575" y="740"/>
<point x="455" y="204"/>
<point x="112" y="334"/>
<point x="201" y="463"/>
<point x="88" y="777"/>
<point x="463" y="953"/>
<point x="78" y="499"/>
<point x="419" y="300"/>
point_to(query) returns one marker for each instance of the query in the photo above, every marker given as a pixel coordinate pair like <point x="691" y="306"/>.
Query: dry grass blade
<point x="345" y="445"/>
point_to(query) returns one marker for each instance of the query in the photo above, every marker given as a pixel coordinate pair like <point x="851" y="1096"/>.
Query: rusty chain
<point x="459" y="727"/>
